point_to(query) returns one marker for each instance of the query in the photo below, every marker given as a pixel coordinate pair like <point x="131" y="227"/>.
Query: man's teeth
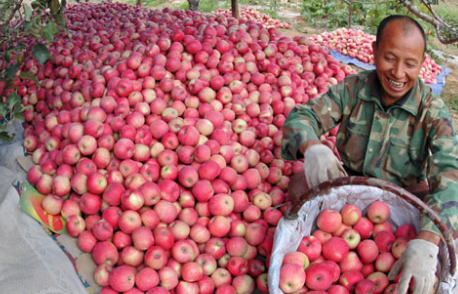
<point x="395" y="84"/>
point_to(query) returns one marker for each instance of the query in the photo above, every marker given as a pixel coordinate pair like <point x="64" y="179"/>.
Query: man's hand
<point x="320" y="165"/>
<point x="419" y="262"/>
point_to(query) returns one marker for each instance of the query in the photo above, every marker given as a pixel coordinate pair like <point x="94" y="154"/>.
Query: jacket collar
<point x="410" y="102"/>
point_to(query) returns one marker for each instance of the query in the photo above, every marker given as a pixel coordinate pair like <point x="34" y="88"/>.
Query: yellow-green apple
<point x="297" y="257"/>
<point x="102" y="274"/>
<point x="352" y="238"/>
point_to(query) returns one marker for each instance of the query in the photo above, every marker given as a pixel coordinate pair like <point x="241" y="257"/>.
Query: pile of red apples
<point x="156" y="135"/>
<point x="348" y="252"/>
<point x="358" y="44"/>
<point x="251" y="13"/>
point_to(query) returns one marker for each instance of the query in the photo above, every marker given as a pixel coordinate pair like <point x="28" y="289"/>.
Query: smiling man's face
<point x="398" y="59"/>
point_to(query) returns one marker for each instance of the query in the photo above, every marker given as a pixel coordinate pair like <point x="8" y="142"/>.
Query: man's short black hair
<point x="404" y="18"/>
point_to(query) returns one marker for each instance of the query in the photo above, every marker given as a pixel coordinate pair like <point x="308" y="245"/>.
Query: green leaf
<point x="3" y="111"/>
<point x="5" y="137"/>
<point x="50" y="30"/>
<point x="30" y="76"/>
<point x="27" y="11"/>
<point x="13" y="100"/>
<point x="60" y="18"/>
<point x="12" y="70"/>
<point x="7" y="56"/>
<point x="41" y="53"/>
<point x="27" y="26"/>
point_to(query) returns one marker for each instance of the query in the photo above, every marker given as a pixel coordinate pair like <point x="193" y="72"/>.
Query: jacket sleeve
<point x="442" y="169"/>
<point x="310" y="120"/>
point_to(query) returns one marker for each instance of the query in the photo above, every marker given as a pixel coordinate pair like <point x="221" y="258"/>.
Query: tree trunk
<point x="139" y="3"/>
<point x="193" y="5"/>
<point x="235" y="8"/>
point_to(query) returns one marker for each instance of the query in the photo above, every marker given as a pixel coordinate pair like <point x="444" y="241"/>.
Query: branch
<point x="435" y="21"/>
<point x="13" y="12"/>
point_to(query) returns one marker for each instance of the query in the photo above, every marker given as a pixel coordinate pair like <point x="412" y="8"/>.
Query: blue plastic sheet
<point x="437" y="88"/>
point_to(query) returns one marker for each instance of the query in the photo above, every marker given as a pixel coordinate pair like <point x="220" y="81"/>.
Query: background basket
<point x="299" y="220"/>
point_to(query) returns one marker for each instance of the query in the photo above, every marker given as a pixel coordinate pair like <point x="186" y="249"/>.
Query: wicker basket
<point x="299" y="220"/>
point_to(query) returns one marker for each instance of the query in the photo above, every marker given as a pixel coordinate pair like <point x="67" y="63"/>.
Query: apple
<point x="311" y="247"/>
<point x="335" y="249"/>
<point x="367" y="250"/>
<point x="378" y="212"/>
<point x="292" y="277"/>
<point x="350" y="214"/>
<point x="329" y="220"/>
<point x="319" y="276"/>
<point x="122" y="278"/>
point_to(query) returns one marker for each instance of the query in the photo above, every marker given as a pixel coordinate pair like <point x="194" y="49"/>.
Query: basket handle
<point x="322" y="189"/>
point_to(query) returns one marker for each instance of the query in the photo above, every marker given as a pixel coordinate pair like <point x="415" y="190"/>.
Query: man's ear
<point x="374" y="48"/>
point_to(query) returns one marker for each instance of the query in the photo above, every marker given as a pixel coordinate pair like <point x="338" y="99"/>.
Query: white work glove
<point x="419" y="262"/>
<point x="321" y="165"/>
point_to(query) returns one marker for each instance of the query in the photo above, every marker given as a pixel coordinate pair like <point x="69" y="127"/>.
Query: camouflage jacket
<point x="411" y="141"/>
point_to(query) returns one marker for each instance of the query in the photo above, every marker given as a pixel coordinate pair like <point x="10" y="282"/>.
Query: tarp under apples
<point x="155" y="137"/>
<point x="353" y="46"/>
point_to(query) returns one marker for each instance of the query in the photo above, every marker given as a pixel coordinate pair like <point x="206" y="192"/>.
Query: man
<point x="393" y="128"/>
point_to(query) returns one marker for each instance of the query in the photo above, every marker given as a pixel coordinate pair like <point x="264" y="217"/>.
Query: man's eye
<point x="389" y="59"/>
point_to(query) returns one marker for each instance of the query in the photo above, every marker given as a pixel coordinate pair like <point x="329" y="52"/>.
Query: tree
<point x="193" y="5"/>
<point x="446" y="33"/>
<point x="20" y="20"/>
<point x="235" y="8"/>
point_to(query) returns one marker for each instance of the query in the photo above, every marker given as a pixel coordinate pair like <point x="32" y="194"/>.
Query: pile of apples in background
<point x="156" y="135"/>
<point x="347" y="253"/>
<point x="251" y="13"/>
<point x="358" y="44"/>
